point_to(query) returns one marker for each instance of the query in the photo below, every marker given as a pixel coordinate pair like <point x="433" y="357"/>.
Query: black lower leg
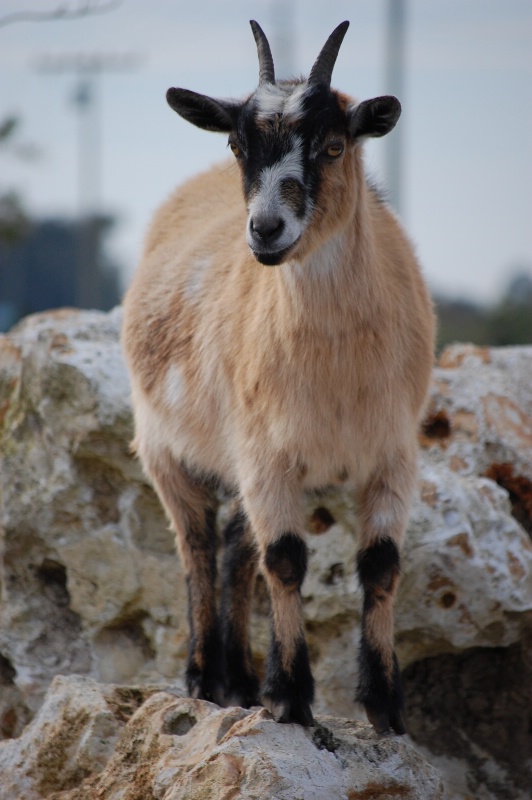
<point x="379" y="691"/>
<point x="289" y="694"/>
<point x="204" y="674"/>
<point x="379" y="687"/>
<point x="238" y="579"/>
<point x="288" y="688"/>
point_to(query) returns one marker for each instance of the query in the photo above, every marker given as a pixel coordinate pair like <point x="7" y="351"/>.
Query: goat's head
<point x="293" y="141"/>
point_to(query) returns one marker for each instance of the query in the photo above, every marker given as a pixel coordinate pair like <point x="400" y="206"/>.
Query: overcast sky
<point x="466" y="123"/>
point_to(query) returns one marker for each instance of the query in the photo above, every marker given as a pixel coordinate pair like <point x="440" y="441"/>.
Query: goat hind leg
<point x="238" y="580"/>
<point x="189" y="506"/>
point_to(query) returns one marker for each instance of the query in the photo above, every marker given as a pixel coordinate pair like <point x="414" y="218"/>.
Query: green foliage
<point x="507" y="322"/>
<point x="14" y="222"/>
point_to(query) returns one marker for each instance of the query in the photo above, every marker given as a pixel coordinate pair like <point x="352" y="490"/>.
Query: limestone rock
<point x="90" y="582"/>
<point x="91" y="741"/>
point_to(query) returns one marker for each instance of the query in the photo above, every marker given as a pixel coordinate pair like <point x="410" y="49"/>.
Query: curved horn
<point x="266" y="70"/>
<point x="321" y="72"/>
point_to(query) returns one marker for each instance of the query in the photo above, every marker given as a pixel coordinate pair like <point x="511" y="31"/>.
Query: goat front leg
<point x="189" y="506"/>
<point x="274" y="509"/>
<point x="383" y="514"/>
<point x="239" y="570"/>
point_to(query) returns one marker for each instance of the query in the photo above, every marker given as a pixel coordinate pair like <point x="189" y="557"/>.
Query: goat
<point x="273" y="356"/>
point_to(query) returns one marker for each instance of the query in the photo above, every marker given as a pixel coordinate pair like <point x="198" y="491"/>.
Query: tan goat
<point x="296" y="361"/>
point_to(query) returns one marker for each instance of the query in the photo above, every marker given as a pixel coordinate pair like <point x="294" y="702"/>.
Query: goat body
<point x="272" y="380"/>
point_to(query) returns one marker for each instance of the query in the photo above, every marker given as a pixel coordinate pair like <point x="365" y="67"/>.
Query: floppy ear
<point x="202" y="111"/>
<point x="375" y="117"/>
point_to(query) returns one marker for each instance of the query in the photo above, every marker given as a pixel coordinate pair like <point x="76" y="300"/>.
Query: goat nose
<point x="266" y="229"/>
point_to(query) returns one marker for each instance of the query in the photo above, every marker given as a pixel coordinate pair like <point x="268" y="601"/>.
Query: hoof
<point x="202" y="687"/>
<point x="286" y="711"/>
<point x="244" y="694"/>
<point x="384" y="722"/>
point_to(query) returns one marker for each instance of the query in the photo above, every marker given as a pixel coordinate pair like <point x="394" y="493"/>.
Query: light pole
<point x="395" y="84"/>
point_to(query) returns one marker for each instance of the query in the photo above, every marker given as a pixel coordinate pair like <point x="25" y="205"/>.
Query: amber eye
<point x="334" y="150"/>
<point x="235" y="149"/>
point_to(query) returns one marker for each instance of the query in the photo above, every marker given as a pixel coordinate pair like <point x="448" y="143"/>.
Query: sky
<point x="466" y="127"/>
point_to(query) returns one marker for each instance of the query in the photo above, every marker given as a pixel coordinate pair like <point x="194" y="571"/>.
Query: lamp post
<point x="88" y="68"/>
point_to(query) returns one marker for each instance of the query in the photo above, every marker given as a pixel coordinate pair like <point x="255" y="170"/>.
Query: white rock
<point x="89" y="579"/>
<point x="86" y="743"/>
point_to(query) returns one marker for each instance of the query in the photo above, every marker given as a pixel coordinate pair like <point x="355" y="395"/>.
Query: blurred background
<point x="89" y="147"/>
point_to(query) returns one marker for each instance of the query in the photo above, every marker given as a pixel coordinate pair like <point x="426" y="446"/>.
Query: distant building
<point x="57" y="263"/>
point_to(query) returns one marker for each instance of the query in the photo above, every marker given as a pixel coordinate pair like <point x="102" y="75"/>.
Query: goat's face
<point x="290" y="140"/>
<point x="293" y="142"/>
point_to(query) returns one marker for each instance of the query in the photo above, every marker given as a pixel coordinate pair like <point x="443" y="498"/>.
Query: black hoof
<point x="288" y="695"/>
<point x="205" y="687"/>
<point x="380" y="693"/>
<point x="243" y="693"/>
<point x="384" y="721"/>
<point x="286" y="711"/>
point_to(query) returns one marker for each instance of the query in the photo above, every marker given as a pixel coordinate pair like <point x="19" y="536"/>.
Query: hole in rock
<point x="9" y="723"/>
<point x="123" y="648"/>
<point x="520" y="490"/>
<point x="437" y="426"/>
<point x="448" y="600"/>
<point x="7" y="672"/>
<point x="53" y="578"/>
<point x="177" y="722"/>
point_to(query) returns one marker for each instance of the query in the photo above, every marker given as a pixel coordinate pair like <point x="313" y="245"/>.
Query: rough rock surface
<point x="105" y="742"/>
<point x="90" y="583"/>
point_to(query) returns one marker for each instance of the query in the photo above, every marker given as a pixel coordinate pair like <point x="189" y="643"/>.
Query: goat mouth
<point x="273" y="258"/>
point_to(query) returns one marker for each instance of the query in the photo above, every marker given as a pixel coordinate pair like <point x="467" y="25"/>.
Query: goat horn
<point x="266" y="70"/>
<point x="321" y="72"/>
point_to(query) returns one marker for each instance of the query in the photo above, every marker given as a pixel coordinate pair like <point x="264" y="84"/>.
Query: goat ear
<point x="375" y="117"/>
<point x="202" y="111"/>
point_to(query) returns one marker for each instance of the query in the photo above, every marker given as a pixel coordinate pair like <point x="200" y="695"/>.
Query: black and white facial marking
<point x="285" y="136"/>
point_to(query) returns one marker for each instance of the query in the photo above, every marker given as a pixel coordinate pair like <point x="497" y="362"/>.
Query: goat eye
<point x="235" y="149"/>
<point x="334" y="150"/>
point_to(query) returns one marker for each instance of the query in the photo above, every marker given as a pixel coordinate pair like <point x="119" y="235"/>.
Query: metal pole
<point x="89" y="168"/>
<point x="395" y="82"/>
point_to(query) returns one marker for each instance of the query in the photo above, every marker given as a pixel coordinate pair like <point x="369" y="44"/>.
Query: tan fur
<point x="323" y="361"/>
<point x="281" y="379"/>
<point x="287" y="620"/>
<point x="378" y="623"/>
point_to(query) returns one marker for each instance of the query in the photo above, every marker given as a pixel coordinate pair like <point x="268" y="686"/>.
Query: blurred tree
<point x="13" y="218"/>
<point x="41" y="271"/>
<point x="510" y="321"/>
<point x="506" y="322"/>
<point x="460" y="321"/>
